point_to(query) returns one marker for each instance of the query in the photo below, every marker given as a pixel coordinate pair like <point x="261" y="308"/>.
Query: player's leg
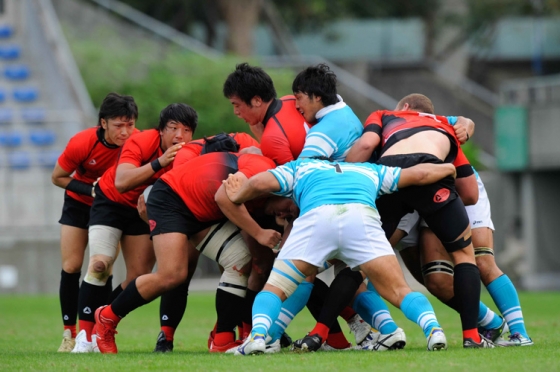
<point x="172" y="256"/>
<point x="173" y="305"/>
<point x="73" y="242"/>
<point x="451" y="225"/>
<point x="501" y="288"/>
<point x="365" y="244"/>
<point x="103" y="250"/>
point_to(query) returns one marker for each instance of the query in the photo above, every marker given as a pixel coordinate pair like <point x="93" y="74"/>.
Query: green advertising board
<point x="511" y="136"/>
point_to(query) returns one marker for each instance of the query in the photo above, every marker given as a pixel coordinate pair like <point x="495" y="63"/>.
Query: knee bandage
<point x="483" y="251"/>
<point x="285" y="276"/>
<point x="235" y="259"/>
<point x="103" y="240"/>
<point x="438" y="267"/>
<point x="219" y="239"/>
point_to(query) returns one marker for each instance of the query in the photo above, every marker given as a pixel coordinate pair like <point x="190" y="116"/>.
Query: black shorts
<point x="438" y="203"/>
<point x="428" y="198"/>
<point x="168" y="213"/>
<point x="74" y="213"/>
<point x="106" y="212"/>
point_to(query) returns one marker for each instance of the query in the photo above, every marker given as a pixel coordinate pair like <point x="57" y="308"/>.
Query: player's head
<point x="249" y="90"/>
<point x="416" y="102"/>
<point x="115" y="105"/>
<point x="314" y="88"/>
<point x="117" y="116"/>
<point x="280" y="207"/>
<point x="177" y="123"/>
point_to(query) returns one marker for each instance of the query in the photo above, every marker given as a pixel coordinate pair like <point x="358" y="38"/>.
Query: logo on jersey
<point x="152" y="225"/>
<point x="441" y="195"/>
<point x="87" y="310"/>
<point x="92" y="162"/>
<point x="476" y="222"/>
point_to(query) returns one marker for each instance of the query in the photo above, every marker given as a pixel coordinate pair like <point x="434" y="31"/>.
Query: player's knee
<point x="234" y="282"/>
<point x="438" y="278"/>
<point x="285" y="276"/>
<point x="99" y="270"/>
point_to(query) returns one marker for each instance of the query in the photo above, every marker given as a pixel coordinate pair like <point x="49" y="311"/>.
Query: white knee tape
<point x="233" y="259"/>
<point x="234" y="282"/>
<point x="219" y="240"/>
<point x="104" y="240"/>
<point x="286" y="276"/>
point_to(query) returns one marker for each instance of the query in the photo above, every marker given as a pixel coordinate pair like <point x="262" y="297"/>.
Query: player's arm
<point x="239" y="189"/>
<point x="238" y="214"/>
<point x="363" y="148"/>
<point x="463" y="127"/>
<point x="467" y="188"/>
<point x="129" y="176"/>
<point x="63" y="179"/>
<point x="425" y="174"/>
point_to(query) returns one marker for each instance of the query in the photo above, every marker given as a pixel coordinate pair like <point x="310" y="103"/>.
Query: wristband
<point x="156" y="166"/>
<point x="80" y="187"/>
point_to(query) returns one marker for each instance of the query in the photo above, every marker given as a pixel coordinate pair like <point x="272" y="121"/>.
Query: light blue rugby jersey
<point x="313" y="182"/>
<point x="333" y="135"/>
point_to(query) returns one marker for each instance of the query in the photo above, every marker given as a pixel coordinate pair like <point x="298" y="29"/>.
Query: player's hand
<point x="461" y="129"/>
<point x="251" y="150"/>
<point x="268" y="238"/>
<point x="233" y="185"/>
<point x="169" y="155"/>
<point x="142" y="210"/>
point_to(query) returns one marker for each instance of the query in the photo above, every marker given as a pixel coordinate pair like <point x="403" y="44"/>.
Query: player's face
<point x="174" y="133"/>
<point x="252" y="114"/>
<point x="308" y="106"/>
<point x="117" y="130"/>
<point x="281" y="208"/>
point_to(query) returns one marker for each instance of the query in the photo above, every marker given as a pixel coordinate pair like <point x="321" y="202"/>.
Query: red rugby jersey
<point x="284" y="132"/>
<point x="197" y="181"/>
<point x="88" y="156"/>
<point x="140" y="149"/>
<point x="192" y="149"/>
<point x="393" y="126"/>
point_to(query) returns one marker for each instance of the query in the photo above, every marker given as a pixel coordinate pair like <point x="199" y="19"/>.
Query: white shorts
<point x="479" y="214"/>
<point x="350" y="232"/>
<point x="409" y="224"/>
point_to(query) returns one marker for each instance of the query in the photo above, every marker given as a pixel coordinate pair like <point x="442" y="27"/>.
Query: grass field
<point x="31" y="333"/>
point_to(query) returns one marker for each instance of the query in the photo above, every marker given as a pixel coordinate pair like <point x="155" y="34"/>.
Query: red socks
<point x="322" y="330"/>
<point x="338" y="340"/>
<point x="88" y="327"/>
<point x="472" y="334"/>
<point x="347" y="313"/>
<point x="169" y="332"/>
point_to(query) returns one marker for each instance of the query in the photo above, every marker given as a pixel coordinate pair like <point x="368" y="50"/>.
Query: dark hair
<point x="115" y="106"/>
<point x="247" y="82"/>
<point x="417" y="102"/>
<point x="318" y="81"/>
<point x="179" y="112"/>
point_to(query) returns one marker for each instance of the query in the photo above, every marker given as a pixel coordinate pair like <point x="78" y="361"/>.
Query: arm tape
<point x="156" y="166"/>
<point x="80" y="187"/>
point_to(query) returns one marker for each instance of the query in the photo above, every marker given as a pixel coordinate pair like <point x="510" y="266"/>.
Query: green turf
<point x="31" y="333"/>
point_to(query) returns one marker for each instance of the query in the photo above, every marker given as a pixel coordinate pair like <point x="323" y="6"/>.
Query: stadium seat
<point x="11" y="139"/>
<point x="17" y="72"/>
<point x="2" y="95"/>
<point x="26" y="94"/>
<point x="42" y="137"/>
<point x="6" y="115"/>
<point x="19" y="160"/>
<point x="10" y="52"/>
<point x="33" y="115"/>
<point x="6" y="31"/>
<point x="47" y="159"/>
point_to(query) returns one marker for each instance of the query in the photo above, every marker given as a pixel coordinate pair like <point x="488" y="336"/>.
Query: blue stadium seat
<point x="26" y="94"/>
<point x="48" y="159"/>
<point x="17" y="72"/>
<point x="10" y="51"/>
<point x="6" y="31"/>
<point x="2" y="95"/>
<point x="33" y="115"/>
<point x="11" y="139"/>
<point x="42" y="137"/>
<point x="6" y="115"/>
<point x="19" y="160"/>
